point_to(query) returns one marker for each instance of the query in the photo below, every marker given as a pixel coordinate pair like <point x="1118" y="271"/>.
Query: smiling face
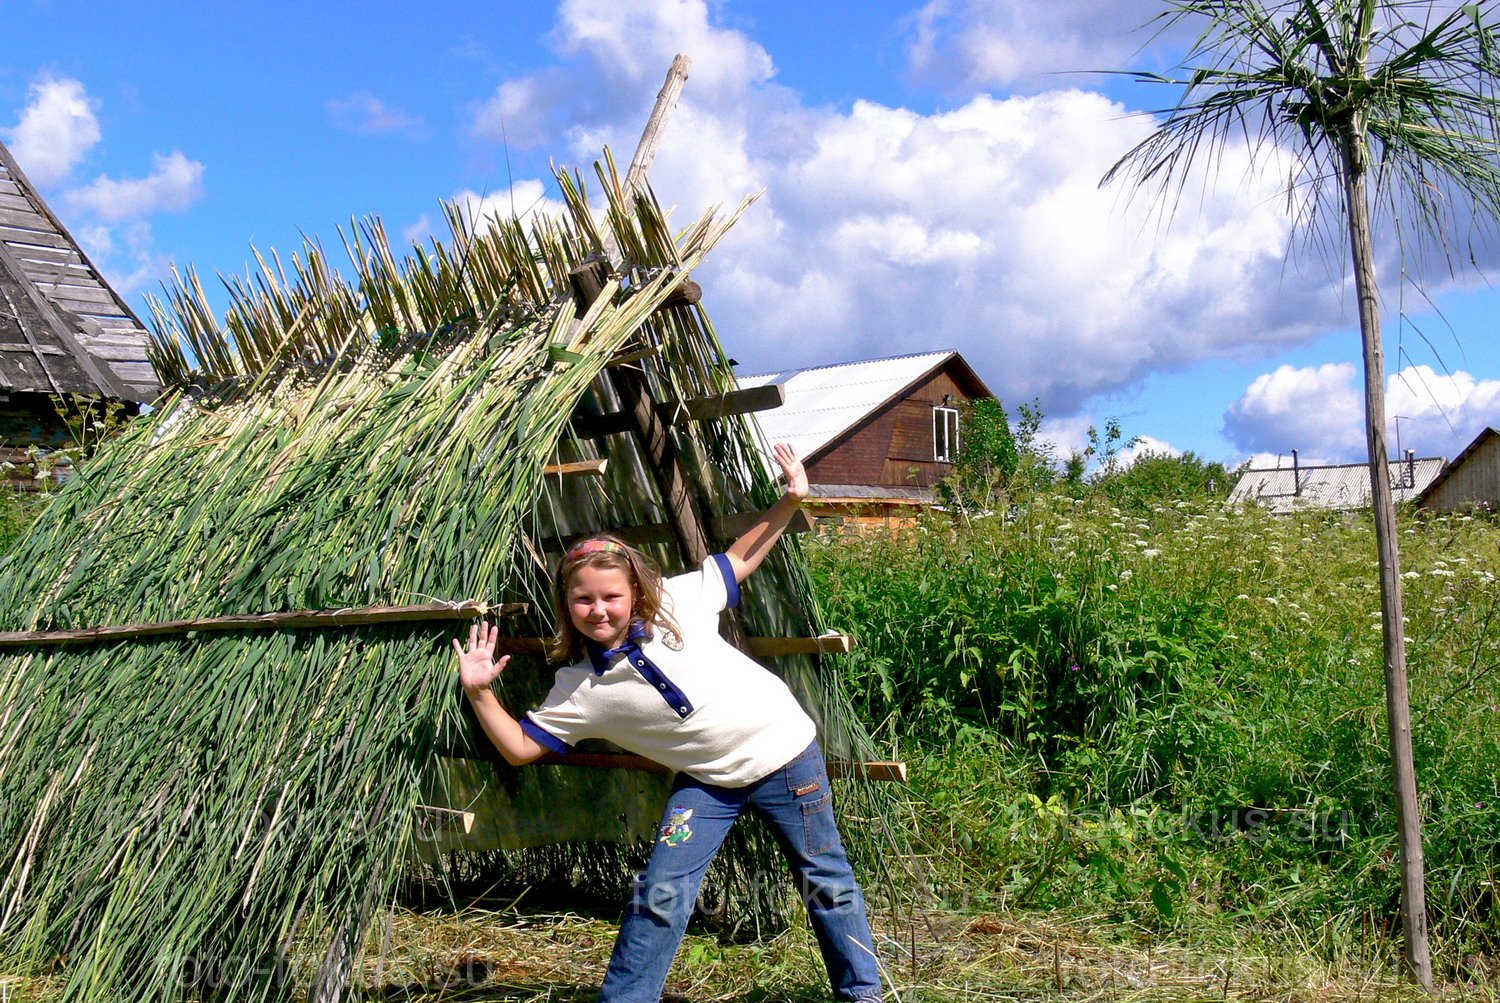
<point x="600" y="604"/>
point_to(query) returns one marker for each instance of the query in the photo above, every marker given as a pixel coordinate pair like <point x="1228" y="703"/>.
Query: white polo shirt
<point x="706" y="710"/>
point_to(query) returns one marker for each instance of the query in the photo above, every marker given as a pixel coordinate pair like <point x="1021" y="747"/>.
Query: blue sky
<point x="929" y="170"/>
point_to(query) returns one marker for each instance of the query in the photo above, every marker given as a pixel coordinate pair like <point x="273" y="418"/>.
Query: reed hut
<point x="230" y="725"/>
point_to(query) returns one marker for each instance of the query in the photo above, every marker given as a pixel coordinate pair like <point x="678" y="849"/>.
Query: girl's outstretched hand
<point x="477" y="667"/>
<point x="791" y="470"/>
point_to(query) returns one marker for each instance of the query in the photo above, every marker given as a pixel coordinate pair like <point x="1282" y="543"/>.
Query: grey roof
<point x="823" y="402"/>
<point x="1342" y="486"/>
<point x="62" y="328"/>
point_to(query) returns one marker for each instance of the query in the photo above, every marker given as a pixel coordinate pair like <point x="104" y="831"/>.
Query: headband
<point x="594" y="547"/>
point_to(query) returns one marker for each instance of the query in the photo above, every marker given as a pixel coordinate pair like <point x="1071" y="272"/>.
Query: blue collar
<point x="601" y="657"/>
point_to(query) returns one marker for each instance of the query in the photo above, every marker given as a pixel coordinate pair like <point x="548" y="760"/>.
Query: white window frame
<point x="946" y="418"/>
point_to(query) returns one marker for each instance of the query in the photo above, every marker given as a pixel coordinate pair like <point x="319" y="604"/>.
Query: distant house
<point x="1471" y="480"/>
<point x="875" y="436"/>
<point x="63" y="330"/>
<point x="1339" y="487"/>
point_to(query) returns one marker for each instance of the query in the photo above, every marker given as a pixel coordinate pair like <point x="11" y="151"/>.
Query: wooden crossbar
<point x="707" y="408"/>
<point x="761" y="647"/>
<point x="882" y="770"/>
<point x="724" y="527"/>
<point x="296" y="620"/>
<point x="576" y="468"/>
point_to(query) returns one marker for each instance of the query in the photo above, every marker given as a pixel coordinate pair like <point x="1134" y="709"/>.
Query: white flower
<point x="1126" y="575"/>
<point x="1242" y="596"/>
<point x="1411" y="574"/>
<point x="1273" y="600"/>
<point x="1151" y="552"/>
<point x="1440" y="573"/>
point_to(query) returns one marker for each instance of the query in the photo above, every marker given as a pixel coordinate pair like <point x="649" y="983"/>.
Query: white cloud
<point x="174" y="184"/>
<point x="1315" y="410"/>
<point x="1147" y="444"/>
<point x="126" y="255"/>
<point x="366" y="113"/>
<point x="884" y="230"/>
<point x="965" y="44"/>
<point x="526" y="198"/>
<point x="57" y="129"/>
<point x="1319" y="411"/>
<point x="1439" y="415"/>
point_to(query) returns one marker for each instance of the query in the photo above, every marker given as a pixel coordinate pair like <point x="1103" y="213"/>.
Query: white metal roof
<point x="823" y="402"/>
<point x="1346" y="486"/>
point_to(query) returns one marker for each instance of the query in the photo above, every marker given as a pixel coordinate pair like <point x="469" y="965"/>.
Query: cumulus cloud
<point x="174" y="184"/>
<point x="366" y="113"/>
<point x="967" y="44"/>
<point x="1316" y="410"/>
<point x="56" y="130"/>
<point x="1319" y="411"/>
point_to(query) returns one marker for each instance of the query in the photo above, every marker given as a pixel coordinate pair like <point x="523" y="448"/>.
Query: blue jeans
<point x="798" y="804"/>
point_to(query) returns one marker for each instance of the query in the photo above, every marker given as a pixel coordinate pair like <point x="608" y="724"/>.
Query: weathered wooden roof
<point x="62" y="328"/>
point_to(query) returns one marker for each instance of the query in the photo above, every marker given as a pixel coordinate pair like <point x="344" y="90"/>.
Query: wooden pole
<point x="294" y="620"/>
<point x="666" y="100"/>
<point x="1387" y="543"/>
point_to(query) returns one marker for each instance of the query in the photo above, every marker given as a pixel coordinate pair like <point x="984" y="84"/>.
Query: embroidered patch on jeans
<point x="676" y="829"/>
<point x="807" y="788"/>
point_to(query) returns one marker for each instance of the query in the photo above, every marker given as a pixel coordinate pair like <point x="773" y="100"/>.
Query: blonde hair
<point x="606" y="553"/>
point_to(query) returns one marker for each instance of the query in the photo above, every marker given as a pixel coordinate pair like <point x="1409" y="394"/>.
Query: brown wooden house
<point x="64" y="333"/>
<point x="875" y="436"/>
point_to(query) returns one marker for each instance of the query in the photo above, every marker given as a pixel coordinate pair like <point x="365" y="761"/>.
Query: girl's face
<point x="600" y="603"/>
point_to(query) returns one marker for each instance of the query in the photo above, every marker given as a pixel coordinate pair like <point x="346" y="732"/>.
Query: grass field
<point x="1148" y="763"/>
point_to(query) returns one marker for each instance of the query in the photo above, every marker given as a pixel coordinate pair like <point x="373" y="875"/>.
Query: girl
<point x="650" y="673"/>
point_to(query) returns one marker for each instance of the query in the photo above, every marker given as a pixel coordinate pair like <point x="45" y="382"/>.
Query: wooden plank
<point x="28" y="219"/>
<point x="20" y="235"/>
<point x="17" y="346"/>
<point x="433" y="819"/>
<point x="27" y="253"/>
<point x="8" y="186"/>
<point x="737" y="524"/>
<point x="745" y="401"/>
<point x="577" y="468"/>
<point x="51" y="271"/>
<point x="92" y="293"/>
<point x="294" y="620"/>
<point x="14" y="200"/>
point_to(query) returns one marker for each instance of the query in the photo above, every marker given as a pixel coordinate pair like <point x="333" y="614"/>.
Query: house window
<point x="944" y="434"/>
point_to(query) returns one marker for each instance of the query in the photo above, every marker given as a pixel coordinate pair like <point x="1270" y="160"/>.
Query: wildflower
<point x="1411" y="574"/>
<point x="1273" y="600"/>
<point x="1126" y="575"/>
<point x="1440" y="573"/>
<point x="1150" y="552"/>
<point x="1242" y="596"/>
<point x="1074" y="667"/>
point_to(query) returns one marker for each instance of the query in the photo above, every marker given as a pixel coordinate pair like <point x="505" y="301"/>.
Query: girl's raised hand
<point x="791" y="470"/>
<point x="477" y="667"/>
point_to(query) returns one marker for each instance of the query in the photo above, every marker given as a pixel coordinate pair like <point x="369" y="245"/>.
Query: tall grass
<point x="1180" y="712"/>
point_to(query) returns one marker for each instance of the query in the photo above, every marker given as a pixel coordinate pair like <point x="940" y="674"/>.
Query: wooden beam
<point x="295" y="620"/>
<point x="706" y="408"/>
<point x="724" y="528"/>
<point x="687" y="293"/>
<point x="761" y="647"/>
<point x="577" y="468"/>
<point x="881" y="771"/>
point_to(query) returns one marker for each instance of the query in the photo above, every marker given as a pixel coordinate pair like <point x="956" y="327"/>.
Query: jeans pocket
<point x="820" y="833"/>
